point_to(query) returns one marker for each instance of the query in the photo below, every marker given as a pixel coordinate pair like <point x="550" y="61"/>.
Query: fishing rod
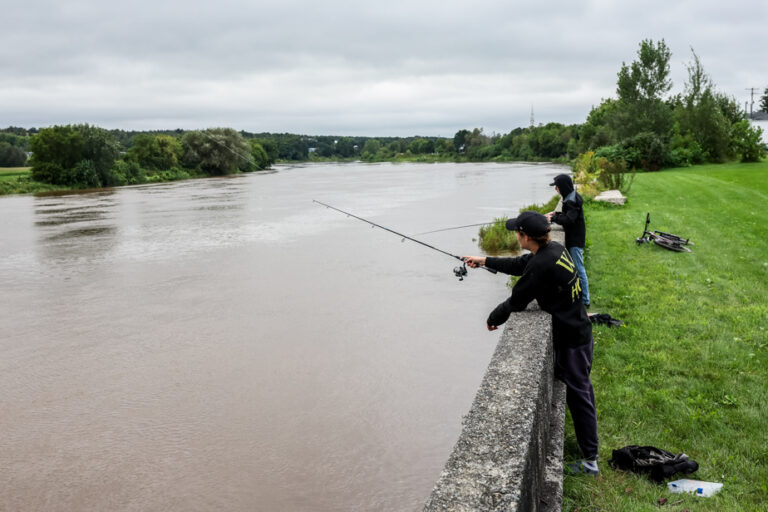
<point x="459" y="272"/>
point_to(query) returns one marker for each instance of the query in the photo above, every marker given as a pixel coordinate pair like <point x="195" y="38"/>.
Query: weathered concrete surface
<point x="611" y="196"/>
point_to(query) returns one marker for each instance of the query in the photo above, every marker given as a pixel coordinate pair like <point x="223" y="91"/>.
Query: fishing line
<point x="457" y="227"/>
<point x="459" y="272"/>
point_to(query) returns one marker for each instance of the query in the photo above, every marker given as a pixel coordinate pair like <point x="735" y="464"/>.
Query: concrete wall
<point x="509" y="455"/>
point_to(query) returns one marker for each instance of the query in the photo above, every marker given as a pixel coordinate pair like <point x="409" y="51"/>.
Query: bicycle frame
<point x="665" y="240"/>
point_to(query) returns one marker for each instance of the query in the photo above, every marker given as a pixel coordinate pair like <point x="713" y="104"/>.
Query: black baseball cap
<point x="529" y="223"/>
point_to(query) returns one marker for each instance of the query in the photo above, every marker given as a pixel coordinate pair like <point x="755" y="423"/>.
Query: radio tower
<point x="532" y="116"/>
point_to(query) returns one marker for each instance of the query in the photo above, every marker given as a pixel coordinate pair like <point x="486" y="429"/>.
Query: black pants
<point x="572" y="366"/>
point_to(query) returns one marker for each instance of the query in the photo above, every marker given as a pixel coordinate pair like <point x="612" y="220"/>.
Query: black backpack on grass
<point x="658" y="464"/>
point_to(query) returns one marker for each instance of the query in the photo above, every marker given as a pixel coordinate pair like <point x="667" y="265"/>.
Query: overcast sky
<point x="390" y="68"/>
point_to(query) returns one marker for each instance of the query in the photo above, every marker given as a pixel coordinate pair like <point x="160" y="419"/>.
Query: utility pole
<point x="751" y="99"/>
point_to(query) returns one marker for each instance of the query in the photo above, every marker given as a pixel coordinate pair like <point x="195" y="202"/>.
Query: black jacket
<point x="572" y="220"/>
<point x="550" y="277"/>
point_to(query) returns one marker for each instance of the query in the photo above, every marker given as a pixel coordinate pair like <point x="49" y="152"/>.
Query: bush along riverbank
<point x="688" y="372"/>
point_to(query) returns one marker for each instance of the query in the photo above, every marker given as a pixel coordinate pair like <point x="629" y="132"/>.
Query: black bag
<point x="658" y="464"/>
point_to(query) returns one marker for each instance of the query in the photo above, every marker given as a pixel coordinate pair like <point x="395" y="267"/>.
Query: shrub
<point x="645" y="151"/>
<point x="174" y="174"/>
<point x="82" y="175"/>
<point x="745" y="141"/>
<point x="614" y="175"/>
<point x="496" y="238"/>
<point x="684" y="151"/>
<point x="128" y="173"/>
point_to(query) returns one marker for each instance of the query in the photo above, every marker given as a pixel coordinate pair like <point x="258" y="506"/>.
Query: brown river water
<point x="227" y="344"/>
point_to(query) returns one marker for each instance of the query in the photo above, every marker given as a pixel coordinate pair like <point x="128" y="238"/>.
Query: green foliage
<point x="128" y="173"/>
<point x="614" y="174"/>
<point x="11" y="156"/>
<point x="747" y="141"/>
<point x="688" y="370"/>
<point x="496" y="238"/>
<point x="421" y="146"/>
<point x="155" y="152"/>
<point x="74" y="155"/>
<point x="83" y="175"/>
<point x="216" y="151"/>
<point x="764" y="101"/>
<point x="459" y="139"/>
<point x="684" y="151"/>
<point x="641" y="87"/>
<point x="646" y="151"/>
<point x="259" y="157"/>
<point x="370" y="149"/>
<point x="174" y="174"/>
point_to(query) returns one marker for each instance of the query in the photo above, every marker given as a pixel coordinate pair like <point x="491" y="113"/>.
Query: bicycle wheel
<point x="670" y="244"/>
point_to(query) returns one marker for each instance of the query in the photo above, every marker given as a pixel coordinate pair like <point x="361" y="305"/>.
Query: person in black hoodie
<point x="572" y="220"/>
<point x="548" y="274"/>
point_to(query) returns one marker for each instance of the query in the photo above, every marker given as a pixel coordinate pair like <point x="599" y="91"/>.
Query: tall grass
<point x="496" y="238"/>
<point x="689" y="370"/>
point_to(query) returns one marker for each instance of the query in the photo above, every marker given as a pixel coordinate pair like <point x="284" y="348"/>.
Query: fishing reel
<point x="461" y="271"/>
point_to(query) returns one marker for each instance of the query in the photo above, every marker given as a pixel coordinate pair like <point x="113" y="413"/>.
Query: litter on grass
<point x="697" y="487"/>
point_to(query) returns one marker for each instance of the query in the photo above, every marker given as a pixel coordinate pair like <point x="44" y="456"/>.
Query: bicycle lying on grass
<point x="665" y="240"/>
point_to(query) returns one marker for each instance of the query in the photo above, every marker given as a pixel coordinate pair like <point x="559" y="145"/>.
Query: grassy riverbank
<point x="689" y="370"/>
<point x="16" y="180"/>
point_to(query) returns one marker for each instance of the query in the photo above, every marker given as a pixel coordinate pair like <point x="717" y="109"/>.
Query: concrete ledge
<point x="500" y="461"/>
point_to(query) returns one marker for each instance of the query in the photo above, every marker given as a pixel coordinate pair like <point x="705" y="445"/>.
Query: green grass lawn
<point x="16" y="180"/>
<point x="688" y="371"/>
<point x="8" y="173"/>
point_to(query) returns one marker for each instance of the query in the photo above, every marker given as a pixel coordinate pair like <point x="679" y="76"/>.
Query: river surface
<point x="227" y="344"/>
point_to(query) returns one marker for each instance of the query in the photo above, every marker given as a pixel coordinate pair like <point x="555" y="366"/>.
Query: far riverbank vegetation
<point x="644" y="128"/>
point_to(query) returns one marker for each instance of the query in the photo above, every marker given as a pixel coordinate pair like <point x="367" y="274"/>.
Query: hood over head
<point x="564" y="184"/>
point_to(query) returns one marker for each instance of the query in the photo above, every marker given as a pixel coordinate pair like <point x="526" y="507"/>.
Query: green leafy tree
<point x="11" y="156"/>
<point x="59" y="153"/>
<point x="53" y="150"/>
<point x="370" y="149"/>
<point x="155" y="152"/>
<point x="420" y="146"/>
<point x="641" y="88"/>
<point x="459" y="140"/>
<point x="259" y="155"/>
<point x="101" y="148"/>
<point x="270" y="146"/>
<point x="746" y="141"/>
<point x="216" y="151"/>
<point x="705" y="114"/>
<point x="345" y="147"/>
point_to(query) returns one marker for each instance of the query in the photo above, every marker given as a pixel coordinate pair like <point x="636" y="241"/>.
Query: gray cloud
<point x="397" y="68"/>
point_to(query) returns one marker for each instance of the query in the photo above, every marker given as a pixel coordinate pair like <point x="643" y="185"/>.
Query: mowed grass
<point x="689" y="370"/>
<point x="8" y="173"/>
<point x="16" y="180"/>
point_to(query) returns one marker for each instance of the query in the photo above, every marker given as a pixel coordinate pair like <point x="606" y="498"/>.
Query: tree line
<point x="643" y="127"/>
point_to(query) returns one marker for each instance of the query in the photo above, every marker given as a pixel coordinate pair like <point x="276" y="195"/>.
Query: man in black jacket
<point x="548" y="274"/>
<point x="572" y="220"/>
